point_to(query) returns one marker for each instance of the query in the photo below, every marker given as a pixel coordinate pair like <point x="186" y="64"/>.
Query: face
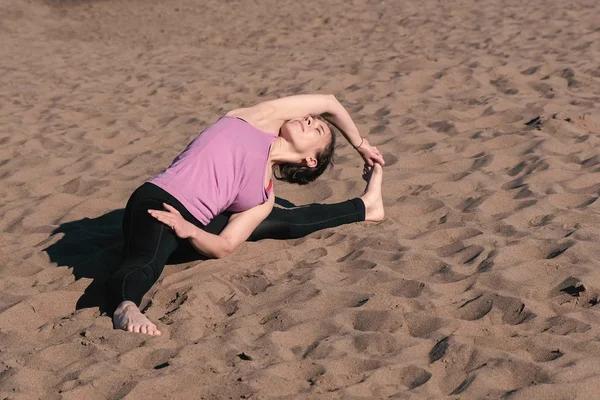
<point x="307" y="136"/>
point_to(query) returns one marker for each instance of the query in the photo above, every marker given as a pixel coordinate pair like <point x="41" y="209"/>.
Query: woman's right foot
<point x="374" y="211"/>
<point x="128" y="317"/>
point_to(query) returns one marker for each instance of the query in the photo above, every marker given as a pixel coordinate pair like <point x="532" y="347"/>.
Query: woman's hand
<point x="173" y="219"/>
<point x="370" y="153"/>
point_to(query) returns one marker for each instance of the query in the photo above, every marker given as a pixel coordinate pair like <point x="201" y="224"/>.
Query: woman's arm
<point x="236" y="232"/>
<point x="301" y="105"/>
<point x="276" y="112"/>
<point x="286" y="108"/>
<point x="340" y="118"/>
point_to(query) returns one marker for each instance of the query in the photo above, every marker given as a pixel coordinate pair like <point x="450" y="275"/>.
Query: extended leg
<point x="301" y="221"/>
<point x="297" y="222"/>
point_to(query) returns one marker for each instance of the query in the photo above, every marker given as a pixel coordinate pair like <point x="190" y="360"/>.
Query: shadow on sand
<point x="92" y="247"/>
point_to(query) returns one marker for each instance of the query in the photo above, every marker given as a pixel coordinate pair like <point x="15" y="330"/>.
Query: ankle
<point x="124" y="305"/>
<point x="367" y="200"/>
<point x="374" y="211"/>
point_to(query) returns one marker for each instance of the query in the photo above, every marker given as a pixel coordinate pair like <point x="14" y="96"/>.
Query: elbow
<point x="224" y="250"/>
<point x="221" y="253"/>
<point x="333" y="102"/>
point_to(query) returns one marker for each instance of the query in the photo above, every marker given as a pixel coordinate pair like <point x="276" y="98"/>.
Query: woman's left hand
<point x="173" y="219"/>
<point x="370" y="153"/>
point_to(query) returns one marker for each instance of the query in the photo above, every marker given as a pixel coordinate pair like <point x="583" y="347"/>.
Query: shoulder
<point x="261" y="116"/>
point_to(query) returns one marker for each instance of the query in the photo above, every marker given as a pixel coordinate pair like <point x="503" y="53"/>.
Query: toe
<point x="153" y="331"/>
<point x="136" y="328"/>
<point x="144" y="329"/>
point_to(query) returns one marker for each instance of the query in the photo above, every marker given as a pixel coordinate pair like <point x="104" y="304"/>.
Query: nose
<point x="309" y="120"/>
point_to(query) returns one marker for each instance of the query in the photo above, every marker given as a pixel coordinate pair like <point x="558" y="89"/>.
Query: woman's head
<point x="313" y="140"/>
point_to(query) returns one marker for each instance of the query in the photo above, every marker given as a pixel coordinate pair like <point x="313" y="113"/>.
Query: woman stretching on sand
<point x="229" y="168"/>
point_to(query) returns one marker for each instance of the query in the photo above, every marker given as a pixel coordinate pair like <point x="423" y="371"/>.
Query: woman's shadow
<point x="92" y="247"/>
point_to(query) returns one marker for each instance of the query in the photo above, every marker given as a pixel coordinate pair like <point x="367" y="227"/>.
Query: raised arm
<point x="276" y="112"/>
<point x="343" y="122"/>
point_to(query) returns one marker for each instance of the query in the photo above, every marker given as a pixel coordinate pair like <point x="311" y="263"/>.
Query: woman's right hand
<point x="173" y="219"/>
<point x="370" y="154"/>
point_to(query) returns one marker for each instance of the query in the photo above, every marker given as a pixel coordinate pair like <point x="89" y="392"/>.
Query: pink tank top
<point x="222" y="169"/>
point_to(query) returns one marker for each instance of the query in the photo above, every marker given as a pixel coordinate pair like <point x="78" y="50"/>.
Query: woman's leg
<point x="292" y="223"/>
<point x="285" y="223"/>
<point x="297" y="222"/>
<point x="148" y="245"/>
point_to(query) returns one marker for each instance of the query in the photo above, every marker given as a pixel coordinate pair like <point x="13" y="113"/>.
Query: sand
<point x="482" y="282"/>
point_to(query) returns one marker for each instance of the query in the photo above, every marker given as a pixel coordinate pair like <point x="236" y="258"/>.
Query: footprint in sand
<point x="530" y="70"/>
<point x="279" y="320"/>
<point x="481" y="160"/>
<point x="377" y="344"/>
<point x="439" y="350"/>
<point x="543" y="354"/>
<point x="420" y="325"/>
<point x="229" y="306"/>
<point x="590" y="162"/>
<point x="573" y="291"/>
<point x="315" y="254"/>
<point x="462" y="386"/>
<point x="571" y="200"/>
<point x="147" y="358"/>
<point x="513" y="310"/>
<point x="461" y="253"/>
<point x="563" y="325"/>
<point x="407" y="288"/>
<point x="488" y="262"/>
<point x="82" y="188"/>
<point x="443" y="127"/>
<point x="559" y="248"/>
<point x="376" y="320"/>
<point x="470" y="204"/>
<point x="417" y="205"/>
<point x="306" y="292"/>
<point x="504" y="85"/>
<point x="252" y="283"/>
<point x="413" y="376"/>
<point x="476" y="308"/>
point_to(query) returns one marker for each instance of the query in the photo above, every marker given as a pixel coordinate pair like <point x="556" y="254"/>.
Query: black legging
<point x="149" y="243"/>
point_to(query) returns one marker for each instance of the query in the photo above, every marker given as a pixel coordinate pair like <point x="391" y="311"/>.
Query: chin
<point x="286" y="130"/>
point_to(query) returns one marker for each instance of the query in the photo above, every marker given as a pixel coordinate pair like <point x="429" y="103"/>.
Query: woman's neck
<point x="281" y="152"/>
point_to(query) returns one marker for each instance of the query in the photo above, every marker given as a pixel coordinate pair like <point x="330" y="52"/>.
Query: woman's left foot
<point x="128" y="317"/>
<point x="374" y="211"/>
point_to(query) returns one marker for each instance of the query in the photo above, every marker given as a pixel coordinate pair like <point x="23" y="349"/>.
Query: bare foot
<point x="374" y="211"/>
<point x="128" y="317"/>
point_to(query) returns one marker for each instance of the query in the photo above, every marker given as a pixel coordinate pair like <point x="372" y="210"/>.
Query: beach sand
<point x="482" y="282"/>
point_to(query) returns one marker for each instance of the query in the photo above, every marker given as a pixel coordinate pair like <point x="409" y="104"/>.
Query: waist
<point x="149" y="190"/>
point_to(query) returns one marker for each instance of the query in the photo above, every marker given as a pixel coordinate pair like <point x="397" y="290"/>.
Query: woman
<point x="229" y="167"/>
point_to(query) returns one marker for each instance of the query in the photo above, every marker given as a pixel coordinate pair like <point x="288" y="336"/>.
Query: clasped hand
<point x="173" y="219"/>
<point x="370" y="153"/>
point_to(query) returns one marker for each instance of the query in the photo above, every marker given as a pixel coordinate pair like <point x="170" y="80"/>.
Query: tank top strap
<point x="269" y="188"/>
